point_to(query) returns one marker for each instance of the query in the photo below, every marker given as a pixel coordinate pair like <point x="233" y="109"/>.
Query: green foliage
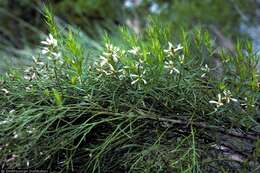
<point x="50" y="22"/>
<point x="116" y="109"/>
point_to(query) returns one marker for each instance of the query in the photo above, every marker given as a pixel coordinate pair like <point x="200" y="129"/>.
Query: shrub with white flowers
<point x="134" y="106"/>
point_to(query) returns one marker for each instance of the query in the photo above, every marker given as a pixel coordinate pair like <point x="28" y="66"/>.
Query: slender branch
<point x="205" y="126"/>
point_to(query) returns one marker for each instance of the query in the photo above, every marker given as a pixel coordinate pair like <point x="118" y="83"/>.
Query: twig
<point x="205" y="126"/>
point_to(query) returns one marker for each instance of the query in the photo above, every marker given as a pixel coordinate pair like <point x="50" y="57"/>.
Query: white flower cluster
<point x="109" y="60"/>
<point x="29" y="73"/>
<point x="170" y="65"/>
<point x="112" y="52"/>
<point x="227" y="97"/>
<point x="35" y="72"/>
<point x="112" y="63"/>
<point x="135" y="51"/>
<point x="50" y="41"/>
<point x="50" y="48"/>
<point x="171" y="53"/>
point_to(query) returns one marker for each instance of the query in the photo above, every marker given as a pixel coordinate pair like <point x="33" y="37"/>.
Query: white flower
<point x="27" y="163"/>
<point x="111" y="68"/>
<point x="109" y="59"/>
<point x="258" y="84"/>
<point x="45" y="51"/>
<point x="134" y="50"/>
<point x="29" y="131"/>
<point x="139" y="64"/>
<point x="246" y="103"/>
<point x="170" y="66"/>
<point x="11" y="111"/>
<point x="155" y="8"/>
<point x="28" y="70"/>
<point x="50" y="41"/>
<point x="51" y="55"/>
<point x="132" y="3"/>
<point x="5" y="91"/>
<point x="219" y="102"/>
<point x="37" y="61"/>
<point x="228" y="96"/>
<point x="55" y="55"/>
<point x="115" y="58"/>
<point x="172" y="50"/>
<point x="26" y="77"/>
<point x="233" y="99"/>
<point x="169" y="50"/>
<point x="3" y="122"/>
<point x="105" y="66"/>
<point x="29" y="74"/>
<point x="123" y="73"/>
<point x="181" y="58"/>
<point x="33" y="76"/>
<point x="179" y="47"/>
<point x="205" y="69"/>
<point x="15" y="135"/>
<point x="28" y="88"/>
<point x="112" y="52"/>
<point x="50" y="49"/>
<point x="138" y="77"/>
<point x="103" y="61"/>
